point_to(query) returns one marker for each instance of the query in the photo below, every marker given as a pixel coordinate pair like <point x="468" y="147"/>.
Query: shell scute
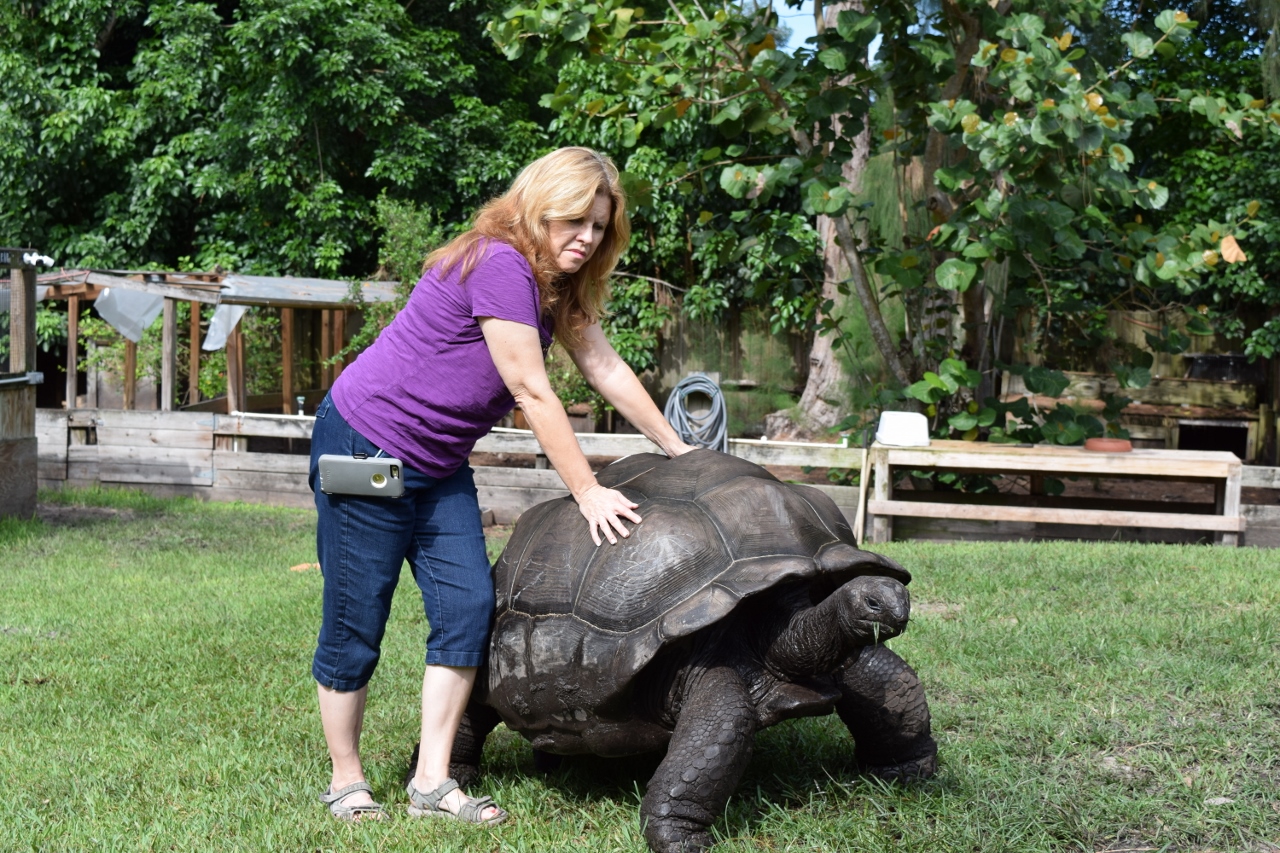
<point x="635" y="582"/>
<point x="763" y="517"/>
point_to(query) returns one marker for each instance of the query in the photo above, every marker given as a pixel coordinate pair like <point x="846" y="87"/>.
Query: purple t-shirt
<point x="427" y="389"/>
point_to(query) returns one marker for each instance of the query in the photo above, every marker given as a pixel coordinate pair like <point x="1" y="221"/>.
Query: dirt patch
<point x="60" y="515"/>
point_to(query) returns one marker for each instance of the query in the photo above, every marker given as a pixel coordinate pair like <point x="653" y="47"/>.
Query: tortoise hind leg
<point x="709" y="750"/>
<point x="468" y="744"/>
<point x="884" y="707"/>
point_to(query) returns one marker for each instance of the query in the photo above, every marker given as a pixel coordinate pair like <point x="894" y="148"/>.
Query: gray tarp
<point x="129" y="312"/>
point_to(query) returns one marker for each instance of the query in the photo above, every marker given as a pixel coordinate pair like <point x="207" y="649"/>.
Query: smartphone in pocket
<point x="372" y="476"/>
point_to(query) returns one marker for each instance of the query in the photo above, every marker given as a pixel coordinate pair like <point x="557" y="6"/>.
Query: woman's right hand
<point x="604" y="509"/>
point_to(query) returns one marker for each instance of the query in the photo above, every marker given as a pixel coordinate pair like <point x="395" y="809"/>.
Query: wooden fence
<point x="213" y="457"/>
<point x="220" y="457"/>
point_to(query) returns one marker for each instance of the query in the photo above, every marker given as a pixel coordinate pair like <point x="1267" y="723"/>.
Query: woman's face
<point x="573" y="241"/>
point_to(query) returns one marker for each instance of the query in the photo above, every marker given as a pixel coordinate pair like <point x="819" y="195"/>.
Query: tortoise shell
<point x="576" y="623"/>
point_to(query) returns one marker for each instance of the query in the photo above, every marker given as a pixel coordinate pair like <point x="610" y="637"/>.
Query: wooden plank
<point x="193" y="457"/>
<point x="1045" y="459"/>
<point x="791" y="453"/>
<point x="17" y="411"/>
<point x="22" y="319"/>
<point x="110" y="472"/>
<point x="18" y="475"/>
<point x="51" y="427"/>
<point x="82" y="454"/>
<point x="193" y="354"/>
<point x="520" y="478"/>
<point x="130" y="374"/>
<point x="120" y="419"/>
<point x="50" y="473"/>
<point x="209" y="296"/>
<point x="174" y="438"/>
<point x="73" y="348"/>
<point x="264" y="426"/>
<point x="286" y="364"/>
<point x="1258" y="477"/>
<point x="326" y="348"/>
<point x="258" y="496"/>
<point x="1263" y="529"/>
<point x="168" y="355"/>
<point x="952" y="530"/>
<point x="1109" y="518"/>
<point x="272" y="482"/>
<point x="508" y="503"/>
<point x="288" y="465"/>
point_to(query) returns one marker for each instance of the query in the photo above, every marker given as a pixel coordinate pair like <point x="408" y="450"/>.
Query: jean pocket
<point x="323" y="408"/>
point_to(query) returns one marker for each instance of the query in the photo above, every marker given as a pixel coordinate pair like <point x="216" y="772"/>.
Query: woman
<point x="466" y="349"/>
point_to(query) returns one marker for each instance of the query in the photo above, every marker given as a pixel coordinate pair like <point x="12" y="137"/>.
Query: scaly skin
<point x="709" y="750"/>
<point x="883" y="705"/>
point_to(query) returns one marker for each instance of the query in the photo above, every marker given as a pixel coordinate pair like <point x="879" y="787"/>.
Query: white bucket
<point x="903" y="429"/>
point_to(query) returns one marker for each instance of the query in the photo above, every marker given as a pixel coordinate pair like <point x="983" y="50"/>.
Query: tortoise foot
<point x="675" y="836"/>
<point x="921" y="767"/>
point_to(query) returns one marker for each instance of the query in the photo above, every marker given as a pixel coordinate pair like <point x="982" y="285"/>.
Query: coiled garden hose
<point x="704" y="424"/>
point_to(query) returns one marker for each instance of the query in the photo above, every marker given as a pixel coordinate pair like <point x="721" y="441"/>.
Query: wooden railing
<point x="208" y="455"/>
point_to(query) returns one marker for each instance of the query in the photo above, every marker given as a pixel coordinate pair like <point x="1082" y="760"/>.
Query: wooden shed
<point x="18" y="390"/>
<point x="330" y="301"/>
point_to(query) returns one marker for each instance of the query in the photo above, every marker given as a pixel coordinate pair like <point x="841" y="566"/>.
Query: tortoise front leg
<point x="883" y="704"/>
<point x="709" y="750"/>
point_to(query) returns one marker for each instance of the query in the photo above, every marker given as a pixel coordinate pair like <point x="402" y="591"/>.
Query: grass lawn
<point x="155" y="694"/>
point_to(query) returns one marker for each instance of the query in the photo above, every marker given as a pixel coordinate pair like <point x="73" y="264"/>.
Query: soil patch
<point x="60" y="515"/>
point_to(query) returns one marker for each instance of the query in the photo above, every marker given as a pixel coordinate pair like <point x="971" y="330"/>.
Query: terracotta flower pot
<point x="1108" y="445"/>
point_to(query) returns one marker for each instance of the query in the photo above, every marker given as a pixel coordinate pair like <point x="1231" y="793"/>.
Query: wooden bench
<point x="1220" y="468"/>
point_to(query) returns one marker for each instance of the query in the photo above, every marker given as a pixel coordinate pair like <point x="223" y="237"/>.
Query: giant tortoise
<point x="738" y="602"/>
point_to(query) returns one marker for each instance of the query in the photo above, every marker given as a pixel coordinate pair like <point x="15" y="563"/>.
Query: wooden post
<point x="169" y="355"/>
<point x="326" y="348"/>
<point x="22" y="319"/>
<point x="233" y="371"/>
<point x="73" y="347"/>
<point x="130" y="374"/>
<point x="881" y="525"/>
<point x="339" y="340"/>
<point x="91" y="378"/>
<point x="242" y="386"/>
<point x="193" y="356"/>
<point x="286" y="361"/>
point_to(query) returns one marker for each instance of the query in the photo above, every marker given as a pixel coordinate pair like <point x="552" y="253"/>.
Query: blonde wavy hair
<point x="561" y="185"/>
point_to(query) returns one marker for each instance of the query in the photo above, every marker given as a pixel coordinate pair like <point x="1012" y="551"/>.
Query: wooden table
<point x="1221" y="468"/>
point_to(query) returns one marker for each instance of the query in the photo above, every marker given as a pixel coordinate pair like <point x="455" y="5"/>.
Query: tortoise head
<point x="870" y="609"/>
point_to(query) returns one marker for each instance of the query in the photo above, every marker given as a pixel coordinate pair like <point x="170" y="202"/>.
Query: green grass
<point x="155" y="694"/>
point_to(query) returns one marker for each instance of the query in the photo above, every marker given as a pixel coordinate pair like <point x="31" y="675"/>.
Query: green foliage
<point x="568" y="383"/>
<point x="51" y="329"/>
<point x="409" y="234"/>
<point x="255" y="132"/>
<point x="1043" y="188"/>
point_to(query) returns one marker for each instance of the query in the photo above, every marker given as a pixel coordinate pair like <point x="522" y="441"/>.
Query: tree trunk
<point x="826" y="388"/>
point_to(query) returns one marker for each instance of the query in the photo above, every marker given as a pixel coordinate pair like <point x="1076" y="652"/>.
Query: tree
<point x="1027" y="170"/>
<point x="255" y="134"/>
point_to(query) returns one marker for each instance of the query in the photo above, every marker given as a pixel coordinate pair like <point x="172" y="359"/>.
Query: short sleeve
<point x="503" y="286"/>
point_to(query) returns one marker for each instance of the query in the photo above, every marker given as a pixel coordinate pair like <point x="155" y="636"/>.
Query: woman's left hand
<point x="604" y="510"/>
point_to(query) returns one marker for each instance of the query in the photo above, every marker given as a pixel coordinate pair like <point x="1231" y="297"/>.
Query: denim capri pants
<point x="362" y="543"/>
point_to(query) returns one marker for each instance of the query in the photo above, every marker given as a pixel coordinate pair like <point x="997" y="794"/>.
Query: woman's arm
<point x="608" y="374"/>
<point x="517" y="353"/>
